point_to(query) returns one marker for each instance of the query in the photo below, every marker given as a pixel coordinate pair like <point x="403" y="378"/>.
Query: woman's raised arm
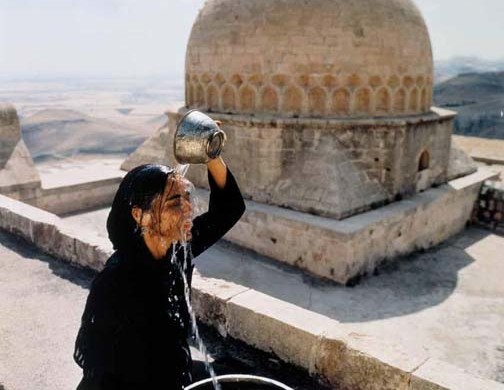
<point x="225" y="208"/>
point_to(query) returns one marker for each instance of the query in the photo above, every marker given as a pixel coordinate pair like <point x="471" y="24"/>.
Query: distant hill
<point x="447" y="69"/>
<point x="479" y="100"/>
<point x="61" y="132"/>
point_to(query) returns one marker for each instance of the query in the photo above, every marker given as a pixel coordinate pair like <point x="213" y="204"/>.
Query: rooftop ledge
<point x="435" y="114"/>
<point x="310" y="340"/>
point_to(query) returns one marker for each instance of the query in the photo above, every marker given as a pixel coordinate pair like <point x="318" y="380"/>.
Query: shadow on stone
<point x="399" y="287"/>
<point x="235" y="357"/>
<point x="79" y="276"/>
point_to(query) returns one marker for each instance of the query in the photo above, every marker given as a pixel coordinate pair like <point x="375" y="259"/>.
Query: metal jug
<point x="198" y="139"/>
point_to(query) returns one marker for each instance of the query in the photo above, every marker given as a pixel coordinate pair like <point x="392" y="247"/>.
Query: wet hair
<point x="139" y="188"/>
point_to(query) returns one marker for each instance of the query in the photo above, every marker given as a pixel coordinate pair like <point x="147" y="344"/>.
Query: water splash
<point x="187" y="295"/>
<point x="181" y="169"/>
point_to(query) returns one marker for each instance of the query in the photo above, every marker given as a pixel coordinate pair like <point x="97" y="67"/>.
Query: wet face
<point x="174" y="210"/>
<point x="169" y="218"/>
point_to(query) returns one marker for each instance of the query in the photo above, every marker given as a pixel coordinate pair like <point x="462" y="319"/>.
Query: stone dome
<point x="310" y="58"/>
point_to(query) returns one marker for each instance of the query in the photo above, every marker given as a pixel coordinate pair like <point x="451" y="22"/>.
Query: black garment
<point x="135" y="325"/>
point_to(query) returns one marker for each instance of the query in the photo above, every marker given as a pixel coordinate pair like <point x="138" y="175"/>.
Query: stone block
<point x="460" y="164"/>
<point x="10" y="132"/>
<point x="273" y="235"/>
<point x="438" y="375"/>
<point x="65" y="246"/>
<point x="45" y="235"/>
<point x="91" y="254"/>
<point x="77" y="197"/>
<point x="275" y="326"/>
<point x="18" y="176"/>
<point x="209" y="300"/>
<point x="357" y="361"/>
<point x="52" y="235"/>
<point x="25" y="220"/>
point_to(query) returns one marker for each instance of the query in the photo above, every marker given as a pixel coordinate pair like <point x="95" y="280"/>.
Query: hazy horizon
<point x="133" y="39"/>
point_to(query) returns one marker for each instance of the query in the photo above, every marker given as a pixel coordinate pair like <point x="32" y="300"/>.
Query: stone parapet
<point x="52" y="235"/>
<point x="75" y="198"/>
<point x="344" y="250"/>
<point x="489" y="210"/>
<point x="346" y="360"/>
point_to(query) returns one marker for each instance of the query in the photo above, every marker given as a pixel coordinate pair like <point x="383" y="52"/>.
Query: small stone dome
<point x="310" y="58"/>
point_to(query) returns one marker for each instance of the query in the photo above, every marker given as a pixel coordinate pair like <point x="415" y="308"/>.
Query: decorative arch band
<point x="310" y="95"/>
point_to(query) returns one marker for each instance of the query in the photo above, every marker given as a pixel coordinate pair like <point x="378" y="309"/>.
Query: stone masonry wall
<point x="433" y="138"/>
<point x="332" y="168"/>
<point x="489" y="210"/>
<point x="343" y="250"/>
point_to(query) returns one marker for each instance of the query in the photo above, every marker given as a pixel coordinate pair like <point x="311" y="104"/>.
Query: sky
<point x="149" y="37"/>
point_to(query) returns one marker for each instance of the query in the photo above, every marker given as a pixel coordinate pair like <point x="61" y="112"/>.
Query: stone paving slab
<point x="72" y="171"/>
<point x="339" y="354"/>
<point x="42" y="301"/>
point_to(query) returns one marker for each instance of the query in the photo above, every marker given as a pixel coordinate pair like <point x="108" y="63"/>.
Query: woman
<point x="136" y="323"/>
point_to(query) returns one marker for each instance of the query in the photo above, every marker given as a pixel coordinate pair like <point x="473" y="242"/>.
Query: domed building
<point x="310" y="59"/>
<point x="333" y="96"/>
<point x="327" y="109"/>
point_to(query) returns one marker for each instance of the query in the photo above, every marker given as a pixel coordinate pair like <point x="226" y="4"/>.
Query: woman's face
<point x="173" y="212"/>
<point x="169" y="218"/>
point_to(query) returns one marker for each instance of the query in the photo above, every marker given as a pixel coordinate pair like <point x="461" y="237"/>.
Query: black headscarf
<point x="138" y="189"/>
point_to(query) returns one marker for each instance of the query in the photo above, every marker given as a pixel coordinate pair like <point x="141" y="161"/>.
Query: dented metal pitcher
<point x="198" y="139"/>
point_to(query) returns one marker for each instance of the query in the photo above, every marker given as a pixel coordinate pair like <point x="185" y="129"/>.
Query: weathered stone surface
<point x="342" y="250"/>
<point x="490" y="151"/>
<point x="18" y="175"/>
<point x="358" y="361"/>
<point x="10" y="133"/>
<point x="461" y="164"/>
<point x="489" y="208"/>
<point x="272" y="325"/>
<point x="49" y="233"/>
<point x="75" y="198"/>
<point x="438" y="375"/>
<point x="209" y="300"/>
<point x="315" y="59"/>
<point x="19" y="178"/>
<point x="334" y="168"/>
<point x="22" y="219"/>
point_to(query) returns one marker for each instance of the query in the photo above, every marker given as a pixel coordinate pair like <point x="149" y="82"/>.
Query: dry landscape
<point x="63" y="118"/>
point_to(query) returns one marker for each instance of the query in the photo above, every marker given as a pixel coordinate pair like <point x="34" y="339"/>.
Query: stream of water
<point x="187" y="295"/>
<point x="181" y="169"/>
